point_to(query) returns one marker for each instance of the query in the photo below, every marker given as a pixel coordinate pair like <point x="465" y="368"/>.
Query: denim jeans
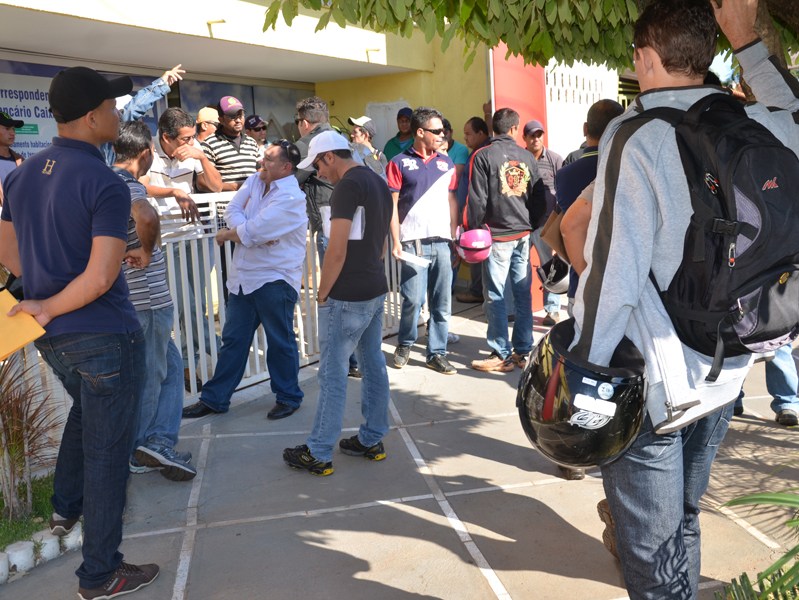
<point x="508" y="260"/>
<point x="321" y="249"/>
<point x="161" y="404"/>
<point x="193" y="296"/>
<point x="476" y="285"/>
<point x="436" y="280"/>
<point x="272" y="305"/>
<point x="345" y="327"/>
<point x="654" y="492"/>
<point x="781" y="381"/>
<point x="551" y="301"/>
<point x="103" y="373"/>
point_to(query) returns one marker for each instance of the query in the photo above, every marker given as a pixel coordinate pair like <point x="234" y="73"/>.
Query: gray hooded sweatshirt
<point x="642" y="226"/>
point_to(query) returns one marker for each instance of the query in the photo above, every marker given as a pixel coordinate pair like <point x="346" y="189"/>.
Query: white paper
<point x="413" y="259"/>
<point x="595" y="405"/>
<point x="358" y="223"/>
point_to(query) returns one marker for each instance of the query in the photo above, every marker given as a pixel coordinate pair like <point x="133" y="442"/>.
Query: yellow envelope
<point x="18" y="331"/>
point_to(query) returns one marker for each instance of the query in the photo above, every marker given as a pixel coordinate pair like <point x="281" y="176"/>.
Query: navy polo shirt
<point x="424" y="187"/>
<point x="569" y="182"/>
<point x="59" y="199"/>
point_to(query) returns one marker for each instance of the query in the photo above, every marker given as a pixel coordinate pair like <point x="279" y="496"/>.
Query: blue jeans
<point x="103" y="373"/>
<point x="508" y="261"/>
<point x="436" y="280"/>
<point x="781" y="381"/>
<point x="321" y="249"/>
<point x="654" y="492"/>
<point x="161" y="404"/>
<point x="194" y="295"/>
<point x="551" y="301"/>
<point x="345" y="327"/>
<point x="272" y="305"/>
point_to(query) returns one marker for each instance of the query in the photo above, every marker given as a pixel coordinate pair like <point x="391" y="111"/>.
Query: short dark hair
<point x="173" y="120"/>
<point x="290" y="154"/>
<point x="134" y="138"/>
<point x="477" y="124"/>
<point x="446" y="124"/>
<point x="504" y="119"/>
<point x="313" y="109"/>
<point x="682" y="32"/>
<point x="421" y="117"/>
<point x="345" y="154"/>
<point x="600" y="114"/>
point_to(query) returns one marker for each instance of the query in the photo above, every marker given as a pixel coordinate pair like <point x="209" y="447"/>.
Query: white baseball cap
<point x="324" y="142"/>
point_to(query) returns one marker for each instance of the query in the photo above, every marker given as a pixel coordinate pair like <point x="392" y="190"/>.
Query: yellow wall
<point x="458" y="94"/>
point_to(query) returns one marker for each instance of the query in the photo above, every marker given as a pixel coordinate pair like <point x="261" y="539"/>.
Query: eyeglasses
<point x="261" y="128"/>
<point x="186" y="139"/>
<point x="434" y="131"/>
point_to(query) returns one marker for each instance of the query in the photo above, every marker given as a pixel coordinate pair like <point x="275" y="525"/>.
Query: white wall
<point x="570" y="93"/>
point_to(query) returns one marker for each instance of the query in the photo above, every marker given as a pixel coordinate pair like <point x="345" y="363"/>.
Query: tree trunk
<point x="787" y="10"/>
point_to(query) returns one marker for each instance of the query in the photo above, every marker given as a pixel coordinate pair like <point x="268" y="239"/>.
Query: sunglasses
<point x="315" y="163"/>
<point x="434" y="131"/>
<point x="261" y="128"/>
<point x="297" y="121"/>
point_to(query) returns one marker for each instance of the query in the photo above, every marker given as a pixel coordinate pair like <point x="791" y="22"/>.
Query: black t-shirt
<point x="363" y="276"/>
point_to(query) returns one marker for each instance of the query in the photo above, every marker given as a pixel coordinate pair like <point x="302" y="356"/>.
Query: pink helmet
<point x="474" y="245"/>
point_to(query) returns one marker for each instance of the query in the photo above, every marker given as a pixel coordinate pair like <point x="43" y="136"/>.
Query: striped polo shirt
<point x="235" y="163"/>
<point x="148" y="288"/>
<point x="173" y="173"/>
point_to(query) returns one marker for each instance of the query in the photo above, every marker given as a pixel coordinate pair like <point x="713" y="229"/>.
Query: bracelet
<point x="320" y="300"/>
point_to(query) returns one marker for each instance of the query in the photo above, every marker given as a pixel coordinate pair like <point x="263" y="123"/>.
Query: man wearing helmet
<point x="506" y="193"/>
<point x="642" y="208"/>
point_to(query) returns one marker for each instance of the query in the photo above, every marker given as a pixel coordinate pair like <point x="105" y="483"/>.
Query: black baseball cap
<point x="79" y="90"/>
<point x="7" y="121"/>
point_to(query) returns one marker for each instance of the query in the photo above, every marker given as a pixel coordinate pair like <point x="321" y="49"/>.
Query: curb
<point x="20" y="557"/>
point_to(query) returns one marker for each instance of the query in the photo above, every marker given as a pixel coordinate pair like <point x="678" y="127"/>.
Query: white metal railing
<point x="195" y="245"/>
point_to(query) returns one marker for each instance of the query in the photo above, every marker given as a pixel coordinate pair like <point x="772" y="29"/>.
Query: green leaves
<point x="593" y="31"/>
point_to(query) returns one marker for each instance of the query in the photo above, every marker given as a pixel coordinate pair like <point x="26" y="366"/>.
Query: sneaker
<point x="440" y="363"/>
<point x="354" y="447"/>
<point x="787" y="417"/>
<point x="354" y="372"/>
<point x="453" y="338"/>
<point x="494" y="363"/>
<point x="401" y="356"/>
<point x="187" y="381"/>
<point x="737" y="411"/>
<point x="167" y="460"/>
<point x="550" y="319"/>
<point x="61" y="526"/>
<point x="572" y="474"/>
<point x="137" y="468"/>
<point x="125" y="580"/>
<point x="520" y="360"/>
<point x="609" y="535"/>
<point x="300" y="457"/>
<point x="468" y="298"/>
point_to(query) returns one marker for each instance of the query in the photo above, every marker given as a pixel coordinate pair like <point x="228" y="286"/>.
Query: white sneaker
<point x="453" y="338"/>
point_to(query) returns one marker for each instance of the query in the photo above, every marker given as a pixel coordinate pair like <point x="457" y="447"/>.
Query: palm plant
<point x="26" y="421"/>
<point x="781" y="580"/>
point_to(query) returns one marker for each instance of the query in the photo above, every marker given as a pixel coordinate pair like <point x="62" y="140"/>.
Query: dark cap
<point x="252" y="122"/>
<point x="405" y="112"/>
<point x="532" y="126"/>
<point x="7" y="121"/>
<point x="79" y="90"/>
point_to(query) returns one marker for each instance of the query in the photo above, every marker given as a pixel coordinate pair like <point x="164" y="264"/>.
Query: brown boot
<point x="609" y="535"/>
<point x="494" y="363"/>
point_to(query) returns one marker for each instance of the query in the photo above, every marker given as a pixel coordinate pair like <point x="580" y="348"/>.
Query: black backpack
<point x="736" y="290"/>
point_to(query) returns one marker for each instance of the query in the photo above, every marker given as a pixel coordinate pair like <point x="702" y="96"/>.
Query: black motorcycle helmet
<point x="577" y="414"/>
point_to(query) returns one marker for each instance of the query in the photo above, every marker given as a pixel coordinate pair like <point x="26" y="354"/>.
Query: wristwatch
<point x="320" y="300"/>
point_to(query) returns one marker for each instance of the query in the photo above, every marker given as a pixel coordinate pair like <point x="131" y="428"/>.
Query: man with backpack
<point x="646" y="218"/>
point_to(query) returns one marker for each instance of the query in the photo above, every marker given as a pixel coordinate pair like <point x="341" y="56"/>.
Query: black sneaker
<point x="300" y="457"/>
<point x="125" y="580"/>
<point x="401" y="356"/>
<point x="354" y="447"/>
<point x="737" y="411"/>
<point x="440" y="363"/>
<point x="61" y="526"/>
<point x="167" y="460"/>
<point x="354" y="372"/>
<point x="787" y="417"/>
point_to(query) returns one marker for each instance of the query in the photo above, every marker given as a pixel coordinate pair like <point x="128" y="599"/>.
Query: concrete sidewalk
<point x="462" y="508"/>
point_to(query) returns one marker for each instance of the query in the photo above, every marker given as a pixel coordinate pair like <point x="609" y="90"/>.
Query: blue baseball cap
<point x="405" y="112"/>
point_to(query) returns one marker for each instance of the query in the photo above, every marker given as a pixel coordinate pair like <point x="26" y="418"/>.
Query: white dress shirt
<point x="259" y="216"/>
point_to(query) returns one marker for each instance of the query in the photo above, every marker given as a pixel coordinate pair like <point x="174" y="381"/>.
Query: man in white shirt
<point x="170" y="180"/>
<point x="269" y="224"/>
